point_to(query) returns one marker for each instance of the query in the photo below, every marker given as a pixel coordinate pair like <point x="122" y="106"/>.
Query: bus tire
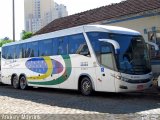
<point x="15" y="82"/>
<point x="86" y="86"/>
<point x="23" y="83"/>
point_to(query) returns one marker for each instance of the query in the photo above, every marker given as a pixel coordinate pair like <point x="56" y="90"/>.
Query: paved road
<point x="53" y="101"/>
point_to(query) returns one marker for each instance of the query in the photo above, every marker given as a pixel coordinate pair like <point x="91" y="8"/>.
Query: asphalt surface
<point x="67" y="104"/>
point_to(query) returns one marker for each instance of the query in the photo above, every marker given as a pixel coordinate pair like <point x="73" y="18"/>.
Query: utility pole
<point x="13" y="23"/>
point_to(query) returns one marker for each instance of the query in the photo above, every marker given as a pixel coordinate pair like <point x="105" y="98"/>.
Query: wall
<point x="140" y="24"/>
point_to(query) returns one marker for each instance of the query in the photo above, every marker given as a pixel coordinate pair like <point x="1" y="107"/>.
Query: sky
<point x="73" y="6"/>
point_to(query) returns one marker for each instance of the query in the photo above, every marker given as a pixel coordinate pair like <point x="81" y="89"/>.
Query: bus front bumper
<point x="122" y="86"/>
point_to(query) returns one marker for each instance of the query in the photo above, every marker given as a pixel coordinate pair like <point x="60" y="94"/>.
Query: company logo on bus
<point x="47" y="66"/>
<point x="39" y="65"/>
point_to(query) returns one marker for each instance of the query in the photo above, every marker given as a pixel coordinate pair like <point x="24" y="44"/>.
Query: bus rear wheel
<point x="23" y="83"/>
<point x="86" y="86"/>
<point x="15" y="82"/>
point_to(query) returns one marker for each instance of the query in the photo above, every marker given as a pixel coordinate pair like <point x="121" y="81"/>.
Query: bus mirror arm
<point x="114" y="43"/>
<point x="153" y="44"/>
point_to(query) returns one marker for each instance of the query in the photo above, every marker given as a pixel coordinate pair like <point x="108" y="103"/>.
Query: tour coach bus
<point x="86" y="58"/>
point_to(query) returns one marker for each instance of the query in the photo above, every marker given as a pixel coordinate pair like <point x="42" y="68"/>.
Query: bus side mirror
<point x="154" y="45"/>
<point x="114" y="43"/>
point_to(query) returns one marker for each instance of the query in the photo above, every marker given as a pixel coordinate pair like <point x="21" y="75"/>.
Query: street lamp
<point x="13" y="23"/>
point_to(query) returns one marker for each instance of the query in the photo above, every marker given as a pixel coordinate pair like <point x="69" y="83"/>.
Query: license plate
<point x="140" y="87"/>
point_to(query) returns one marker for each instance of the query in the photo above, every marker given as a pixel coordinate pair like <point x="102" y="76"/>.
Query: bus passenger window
<point x="22" y="50"/>
<point x="45" y="48"/>
<point x="32" y="49"/>
<point x="55" y="46"/>
<point x="83" y="50"/>
<point x="10" y="51"/>
<point x="63" y="44"/>
<point x="17" y="51"/>
<point x="78" y="45"/>
<point x="4" y="52"/>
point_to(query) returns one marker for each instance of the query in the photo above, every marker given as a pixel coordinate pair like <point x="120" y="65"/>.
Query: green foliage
<point x="2" y="42"/>
<point x="26" y="35"/>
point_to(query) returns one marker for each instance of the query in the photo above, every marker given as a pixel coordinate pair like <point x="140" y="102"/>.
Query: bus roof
<point x="79" y="29"/>
<point x="112" y="29"/>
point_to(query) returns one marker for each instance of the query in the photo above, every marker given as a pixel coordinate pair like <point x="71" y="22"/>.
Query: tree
<point x="5" y="38"/>
<point x="26" y="35"/>
<point x="2" y="42"/>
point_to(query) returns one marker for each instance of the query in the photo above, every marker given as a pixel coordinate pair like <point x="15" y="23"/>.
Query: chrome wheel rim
<point x="86" y="86"/>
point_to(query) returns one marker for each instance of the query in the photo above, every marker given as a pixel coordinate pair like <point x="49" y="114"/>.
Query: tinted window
<point x="106" y="48"/>
<point x="17" y="51"/>
<point x="94" y="39"/>
<point x="45" y="48"/>
<point x="133" y="57"/>
<point x="63" y="46"/>
<point x="4" y="52"/>
<point x="77" y="44"/>
<point x="55" y="46"/>
<point x="20" y="51"/>
<point x="10" y="52"/>
<point x="32" y="49"/>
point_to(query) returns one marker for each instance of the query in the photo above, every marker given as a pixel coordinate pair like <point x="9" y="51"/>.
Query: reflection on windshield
<point x="133" y="57"/>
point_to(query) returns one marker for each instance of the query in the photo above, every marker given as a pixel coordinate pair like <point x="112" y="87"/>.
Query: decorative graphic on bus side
<point x="39" y="65"/>
<point x="47" y="67"/>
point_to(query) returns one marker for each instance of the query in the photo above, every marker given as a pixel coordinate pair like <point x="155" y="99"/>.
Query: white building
<point x="39" y="13"/>
<point x="60" y="10"/>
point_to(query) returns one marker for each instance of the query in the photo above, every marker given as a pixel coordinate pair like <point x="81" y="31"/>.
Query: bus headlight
<point x="122" y="78"/>
<point x="118" y="77"/>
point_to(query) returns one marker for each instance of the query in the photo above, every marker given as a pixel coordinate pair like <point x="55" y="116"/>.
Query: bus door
<point x="105" y="72"/>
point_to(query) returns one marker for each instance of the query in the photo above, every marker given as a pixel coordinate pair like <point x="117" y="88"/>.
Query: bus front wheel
<point x="86" y="86"/>
<point x="23" y="83"/>
<point x="15" y="82"/>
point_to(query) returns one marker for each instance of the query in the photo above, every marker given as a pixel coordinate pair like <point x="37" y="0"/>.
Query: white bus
<point x="86" y="58"/>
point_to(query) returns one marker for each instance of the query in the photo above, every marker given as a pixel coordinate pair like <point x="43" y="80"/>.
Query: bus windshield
<point x="133" y="56"/>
